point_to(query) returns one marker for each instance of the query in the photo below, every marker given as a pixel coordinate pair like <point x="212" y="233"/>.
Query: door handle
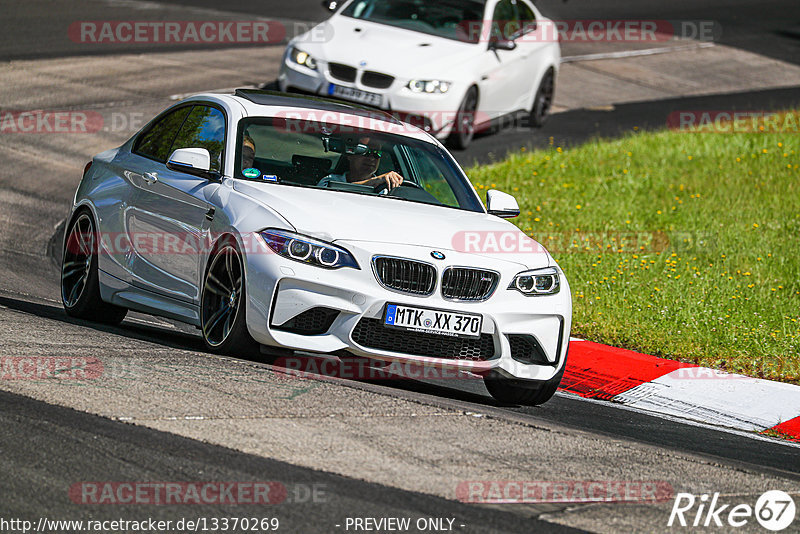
<point x="150" y="178"/>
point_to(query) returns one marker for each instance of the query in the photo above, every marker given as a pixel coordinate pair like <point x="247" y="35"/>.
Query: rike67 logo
<point x="774" y="510"/>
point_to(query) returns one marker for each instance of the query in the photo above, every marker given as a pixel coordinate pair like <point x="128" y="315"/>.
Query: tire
<point x="540" y="111"/>
<point x="506" y="391"/>
<point x="461" y="137"/>
<point x="80" y="284"/>
<point x="223" y="307"/>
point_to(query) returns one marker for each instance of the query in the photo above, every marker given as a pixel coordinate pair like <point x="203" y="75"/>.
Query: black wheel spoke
<point x="220" y="313"/>
<point x="226" y="328"/>
<point x="74" y="266"/>
<point x="74" y="270"/>
<point x="219" y="287"/>
<point x="229" y="268"/>
<point x="78" y="286"/>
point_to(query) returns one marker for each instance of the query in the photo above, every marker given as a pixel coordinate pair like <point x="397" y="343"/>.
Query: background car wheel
<point x="223" y="306"/>
<point x="506" y="391"/>
<point x="80" y="286"/>
<point x="464" y="128"/>
<point x="544" y="100"/>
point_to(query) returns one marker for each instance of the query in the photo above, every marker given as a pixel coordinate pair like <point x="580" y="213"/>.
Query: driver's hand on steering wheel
<point x="390" y="180"/>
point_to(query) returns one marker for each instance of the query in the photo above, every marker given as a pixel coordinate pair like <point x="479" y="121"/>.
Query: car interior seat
<point x="309" y="170"/>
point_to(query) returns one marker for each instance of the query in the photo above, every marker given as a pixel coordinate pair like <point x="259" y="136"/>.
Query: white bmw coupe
<point x="305" y="224"/>
<point x="450" y="66"/>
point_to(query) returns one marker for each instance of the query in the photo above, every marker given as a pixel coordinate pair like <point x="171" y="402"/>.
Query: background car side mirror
<point x="502" y="44"/>
<point x="196" y="161"/>
<point x="501" y="204"/>
<point x="331" y="5"/>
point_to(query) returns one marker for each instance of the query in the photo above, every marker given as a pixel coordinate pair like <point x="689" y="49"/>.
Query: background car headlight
<point x="307" y="250"/>
<point x="302" y="58"/>
<point x="429" y="86"/>
<point x="537" y="282"/>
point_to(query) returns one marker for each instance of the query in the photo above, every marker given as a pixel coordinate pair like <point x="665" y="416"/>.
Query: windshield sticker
<point x="270" y="178"/>
<point x="251" y="173"/>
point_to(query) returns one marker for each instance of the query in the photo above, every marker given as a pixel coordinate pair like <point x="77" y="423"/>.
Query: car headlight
<point x="302" y="58"/>
<point x="307" y="250"/>
<point x="537" y="282"/>
<point x="429" y="86"/>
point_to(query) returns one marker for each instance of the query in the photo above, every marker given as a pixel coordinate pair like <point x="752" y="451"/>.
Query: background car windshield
<point x="452" y="19"/>
<point x="316" y="155"/>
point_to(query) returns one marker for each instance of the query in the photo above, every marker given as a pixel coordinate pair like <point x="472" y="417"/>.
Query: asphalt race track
<point x="163" y="410"/>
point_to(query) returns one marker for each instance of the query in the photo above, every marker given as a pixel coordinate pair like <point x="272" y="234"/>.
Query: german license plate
<point x="446" y="323"/>
<point x="357" y="95"/>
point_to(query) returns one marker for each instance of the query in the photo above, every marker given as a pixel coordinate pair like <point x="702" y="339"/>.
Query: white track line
<point x="635" y="53"/>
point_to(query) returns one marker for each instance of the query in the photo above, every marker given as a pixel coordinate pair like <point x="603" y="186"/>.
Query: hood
<point x="353" y="217"/>
<point x="396" y="51"/>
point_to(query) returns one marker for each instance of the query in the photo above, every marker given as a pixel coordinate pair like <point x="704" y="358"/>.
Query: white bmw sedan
<point x="305" y="224"/>
<point x="452" y="67"/>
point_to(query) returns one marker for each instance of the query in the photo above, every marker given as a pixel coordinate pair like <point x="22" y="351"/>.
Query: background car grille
<point x="461" y="283"/>
<point x="342" y="72"/>
<point x="311" y="322"/>
<point x="371" y="333"/>
<point x="376" y="79"/>
<point x="413" y="277"/>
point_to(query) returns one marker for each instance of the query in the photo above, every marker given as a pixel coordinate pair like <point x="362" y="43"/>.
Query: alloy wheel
<point x="222" y="295"/>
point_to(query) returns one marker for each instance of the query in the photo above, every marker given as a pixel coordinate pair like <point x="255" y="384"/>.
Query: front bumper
<point x="280" y="290"/>
<point x="434" y="113"/>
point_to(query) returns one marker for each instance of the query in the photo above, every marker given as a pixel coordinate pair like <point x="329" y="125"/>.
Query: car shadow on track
<point x="281" y="361"/>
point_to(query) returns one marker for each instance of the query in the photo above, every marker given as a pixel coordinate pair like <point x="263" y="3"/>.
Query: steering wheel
<point x="378" y="189"/>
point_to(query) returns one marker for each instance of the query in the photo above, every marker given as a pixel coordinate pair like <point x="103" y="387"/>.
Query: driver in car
<point x="363" y="161"/>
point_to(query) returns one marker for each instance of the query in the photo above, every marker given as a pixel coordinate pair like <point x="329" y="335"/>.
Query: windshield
<point x="312" y="154"/>
<point x="452" y="19"/>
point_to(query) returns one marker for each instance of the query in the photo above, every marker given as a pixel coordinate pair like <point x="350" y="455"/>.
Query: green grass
<point x="682" y="245"/>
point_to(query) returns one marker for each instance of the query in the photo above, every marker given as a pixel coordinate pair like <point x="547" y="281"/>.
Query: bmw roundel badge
<point x="437" y="255"/>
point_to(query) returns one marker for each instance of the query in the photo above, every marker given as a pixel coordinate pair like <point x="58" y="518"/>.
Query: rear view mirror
<point x="502" y="44"/>
<point x="196" y="161"/>
<point x="501" y="204"/>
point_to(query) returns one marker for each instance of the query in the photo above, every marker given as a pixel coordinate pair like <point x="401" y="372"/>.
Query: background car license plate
<point x="447" y="323"/>
<point x="373" y="99"/>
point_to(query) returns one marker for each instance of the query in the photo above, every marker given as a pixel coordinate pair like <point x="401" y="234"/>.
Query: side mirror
<point x="502" y="44"/>
<point x="501" y="204"/>
<point x="331" y="5"/>
<point x="196" y="161"/>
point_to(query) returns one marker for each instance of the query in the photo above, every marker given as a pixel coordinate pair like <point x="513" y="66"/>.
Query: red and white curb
<point x="683" y="390"/>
